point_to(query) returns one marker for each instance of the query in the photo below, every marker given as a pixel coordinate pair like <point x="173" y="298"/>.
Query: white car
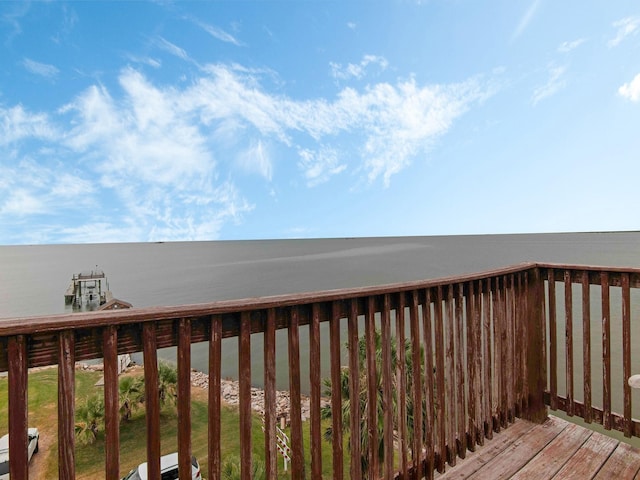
<point x="32" y="447"/>
<point x="168" y="469"/>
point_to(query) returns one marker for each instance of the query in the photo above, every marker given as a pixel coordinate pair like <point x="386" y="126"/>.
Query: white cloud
<point x="555" y="83"/>
<point x="631" y="90"/>
<point x="151" y="62"/>
<point x="625" y="27"/>
<point x="352" y="25"/>
<point x="171" y="48"/>
<point x="256" y="159"/>
<point x="157" y="153"/>
<point x="22" y="202"/>
<point x="357" y="70"/>
<point x="219" y="34"/>
<point x="42" y="69"/>
<point x="16" y="124"/>
<point x="319" y="166"/>
<point x="566" y="47"/>
<point x="526" y="19"/>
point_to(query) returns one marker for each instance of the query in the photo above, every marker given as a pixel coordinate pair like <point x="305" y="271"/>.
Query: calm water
<point x="33" y="279"/>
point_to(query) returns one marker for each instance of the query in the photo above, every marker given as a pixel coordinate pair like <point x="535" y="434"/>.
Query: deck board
<point x="556" y="450"/>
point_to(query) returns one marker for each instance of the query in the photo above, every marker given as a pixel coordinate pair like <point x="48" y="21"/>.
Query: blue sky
<point x="163" y="121"/>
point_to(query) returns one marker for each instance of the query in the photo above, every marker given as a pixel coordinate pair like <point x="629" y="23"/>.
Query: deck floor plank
<point x="623" y="464"/>
<point x="555" y="454"/>
<point x="556" y="450"/>
<point x="589" y="459"/>
<point x="476" y="460"/>
<point x="518" y="454"/>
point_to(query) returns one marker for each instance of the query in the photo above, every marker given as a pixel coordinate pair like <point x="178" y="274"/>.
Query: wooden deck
<point x="556" y="449"/>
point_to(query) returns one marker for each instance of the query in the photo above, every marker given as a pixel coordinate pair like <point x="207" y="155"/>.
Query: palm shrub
<point x="88" y="417"/>
<point x="363" y="398"/>
<point x="131" y="395"/>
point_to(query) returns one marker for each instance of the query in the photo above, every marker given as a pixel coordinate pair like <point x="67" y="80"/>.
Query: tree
<point x="88" y="417"/>
<point x="131" y="394"/>
<point x="363" y="399"/>
<point x="167" y="383"/>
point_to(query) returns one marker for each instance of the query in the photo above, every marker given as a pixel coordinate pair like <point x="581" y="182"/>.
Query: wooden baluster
<point x="18" y="412"/>
<point x="184" y="398"/>
<point x="354" y="391"/>
<point x="152" y="399"/>
<point x="336" y="393"/>
<point x="270" y="447"/>
<point x="568" y="309"/>
<point x="295" y="407"/>
<point x="314" y="377"/>
<point x="244" y="352"/>
<point x="626" y="353"/>
<point x="511" y="361"/>
<point x="416" y="380"/>
<point x="429" y="434"/>
<point x="387" y="401"/>
<point x="476" y="338"/>
<point x="553" y="340"/>
<point x="111" y="403"/>
<point x="401" y="382"/>
<point x="472" y="426"/>
<point x="586" y="344"/>
<point x="451" y="378"/>
<point x="215" y="404"/>
<point x="488" y="359"/>
<point x="504" y="356"/>
<point x="372" y="386"/>
<point x="606" y="351"/>
<point x="441" y="409"/>
<point x="461" y="444"/>
<point x="66" y="405"/>
<point x="497" y="359"/>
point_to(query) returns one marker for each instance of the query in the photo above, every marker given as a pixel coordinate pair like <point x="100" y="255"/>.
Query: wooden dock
<point x="555" y="449"/>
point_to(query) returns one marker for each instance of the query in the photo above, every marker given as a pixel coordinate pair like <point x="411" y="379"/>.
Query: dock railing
<point x="438" y="366"/>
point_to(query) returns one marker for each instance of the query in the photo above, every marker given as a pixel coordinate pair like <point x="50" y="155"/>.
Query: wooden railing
<point x="476" y="356"/>
<point x="592" y="306"/>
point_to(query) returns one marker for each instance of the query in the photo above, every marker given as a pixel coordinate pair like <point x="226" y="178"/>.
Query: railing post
<point x="536" y="365"/>
<point x="66" y="407"/>
<point x="18" y="413"/>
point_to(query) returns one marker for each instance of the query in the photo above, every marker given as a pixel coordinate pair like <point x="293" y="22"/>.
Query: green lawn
<point x="43" y="386"/>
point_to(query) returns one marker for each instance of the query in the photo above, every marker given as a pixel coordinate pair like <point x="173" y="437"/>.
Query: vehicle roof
<point x="166" y="462"/>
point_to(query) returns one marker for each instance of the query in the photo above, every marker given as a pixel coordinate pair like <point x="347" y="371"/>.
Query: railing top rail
<point x="591" y="268"/>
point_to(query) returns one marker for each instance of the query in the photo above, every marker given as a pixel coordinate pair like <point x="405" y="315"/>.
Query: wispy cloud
<point x="149" y="61"/>
<point x="631" y="90"/>
<point x="555" y="83"/>
<point x="525" y="20"/>
<point x="18" y="123"/>
<point x="42" y="69"/>
<point x="219" y="33"/>
<point x="357" y="70"/>
<point x="625" y="27"/>
<point x="566" y="47"/>
<point x="171" y="48"/>
<point x="320" y="165"/>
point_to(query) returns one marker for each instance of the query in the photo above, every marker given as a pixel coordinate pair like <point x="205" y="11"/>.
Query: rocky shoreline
<point x="230" y="394"/>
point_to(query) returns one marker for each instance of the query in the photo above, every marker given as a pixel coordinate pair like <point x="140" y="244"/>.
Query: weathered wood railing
<point x="589" y="309"/>
<point x="478" y="356"/>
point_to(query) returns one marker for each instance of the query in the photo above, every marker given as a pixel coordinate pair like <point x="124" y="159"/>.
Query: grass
<point x="43" y="391"/>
